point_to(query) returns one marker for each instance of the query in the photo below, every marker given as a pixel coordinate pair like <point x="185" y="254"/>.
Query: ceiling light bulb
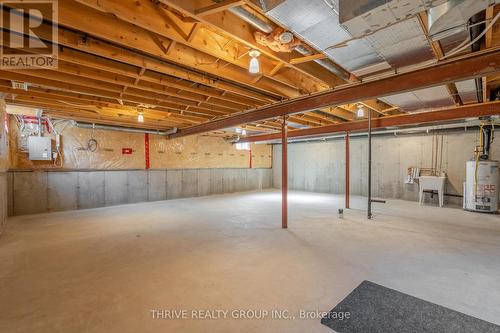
<point x="244" y="132"/>
<point x="361" y="112"/>
<point x="140" y="117"/>
<point x="254" y="66"/>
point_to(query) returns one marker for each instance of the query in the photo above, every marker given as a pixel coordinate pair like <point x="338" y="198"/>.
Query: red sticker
<point x="127" y="151"/>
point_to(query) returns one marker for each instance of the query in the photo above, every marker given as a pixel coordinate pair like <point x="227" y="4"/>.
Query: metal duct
<point x="325" y="63"/>
<point x="475" y="32"/>
<point x="452" y="16"/>
<point x="317" y="22"/>
<point x="423" y="99"/>
<point x="252" y="19"/>
<point x="124" y="129"/>
<point x="267" y="28"/>
<point x="487" y="134"/>
<point x="467" y="91"/>
<point x="363" y="16"/>
<point x="380" y="48"/>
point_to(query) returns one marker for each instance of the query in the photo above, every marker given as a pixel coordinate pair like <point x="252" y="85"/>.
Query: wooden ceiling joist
<point x="218" y="7"/>
<point x="232" y="26"/>
<point x="185" y="62"/>
<point x="76" y="113"/>
<point x="83" y="85"/>
<point x="55" y="99"/>
<point x="477" y="110"/>
<point x="477" y="65"/>
<point x="115" y="53"/>
<point x="308" y="58"/>
<point x="185" y="87"/>
<point x="133" y="21"/>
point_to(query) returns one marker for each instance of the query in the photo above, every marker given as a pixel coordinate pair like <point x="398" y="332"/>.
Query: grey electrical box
<point x="40" y="148"/>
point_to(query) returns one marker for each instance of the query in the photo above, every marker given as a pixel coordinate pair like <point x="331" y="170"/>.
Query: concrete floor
<point x="104" y="270"/>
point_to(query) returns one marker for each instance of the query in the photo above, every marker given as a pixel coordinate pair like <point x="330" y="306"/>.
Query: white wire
<point x="465" y="45"/>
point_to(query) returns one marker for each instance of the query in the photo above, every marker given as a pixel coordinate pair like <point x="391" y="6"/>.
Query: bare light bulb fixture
<point x="254" y="66"/>
<point x="361" y="112"/>
<point x="244" y="132"/>
<point x="140" y="117"/>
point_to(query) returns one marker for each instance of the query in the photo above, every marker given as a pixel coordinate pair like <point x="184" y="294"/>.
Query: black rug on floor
<point x="374" y="308"/>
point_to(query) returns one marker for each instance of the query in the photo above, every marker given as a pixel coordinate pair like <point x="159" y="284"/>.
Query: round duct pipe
<point x="267" y="28"/>
<point x="124" y="129"/>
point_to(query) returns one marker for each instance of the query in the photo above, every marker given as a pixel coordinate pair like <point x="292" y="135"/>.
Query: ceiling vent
<point x="279" y="40"/>
<point x="19" y="85"/>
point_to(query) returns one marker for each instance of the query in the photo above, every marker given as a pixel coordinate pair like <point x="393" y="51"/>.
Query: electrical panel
<point x="40" y="148"/>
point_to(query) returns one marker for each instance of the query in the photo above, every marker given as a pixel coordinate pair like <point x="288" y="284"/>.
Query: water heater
<point x="481" y="186"/>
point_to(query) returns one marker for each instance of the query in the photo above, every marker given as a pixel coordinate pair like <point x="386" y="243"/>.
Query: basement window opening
<point x="243" y="146"/>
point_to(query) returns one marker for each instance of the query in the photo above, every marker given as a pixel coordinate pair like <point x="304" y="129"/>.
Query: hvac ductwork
<point x="446" y="18"/>
<point x="267" y="28"/>
<point x="452" y="17"/>
<point x="124" y="129"/>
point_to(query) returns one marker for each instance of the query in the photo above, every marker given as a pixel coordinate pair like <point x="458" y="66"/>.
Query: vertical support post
<point x="347" y="170"/>
<point x="284" y="174"/>
<point x="146" y="151"/>
<point x="369" y="164"/>
<point x="250" y="157"/>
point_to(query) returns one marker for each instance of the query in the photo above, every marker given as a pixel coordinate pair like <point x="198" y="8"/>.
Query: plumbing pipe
<point x="124" y="129"/>
<point x="413" y="130"/>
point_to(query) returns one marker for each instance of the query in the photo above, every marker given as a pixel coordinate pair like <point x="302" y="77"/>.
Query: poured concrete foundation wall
<point x="3" y="200"/>
<point x="4" y="166"/>
<point x="44" y="191"/>
<point x="320" y="166"/>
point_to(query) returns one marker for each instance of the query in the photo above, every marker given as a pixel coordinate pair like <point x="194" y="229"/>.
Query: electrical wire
<point x="465" y="44"/>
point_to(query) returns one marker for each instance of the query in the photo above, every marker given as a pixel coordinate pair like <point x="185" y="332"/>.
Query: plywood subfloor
<point x="104" y="270"/>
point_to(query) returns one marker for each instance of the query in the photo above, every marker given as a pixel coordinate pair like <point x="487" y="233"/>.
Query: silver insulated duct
<point x="452" y="16"/>
<point x="265" y="27"/>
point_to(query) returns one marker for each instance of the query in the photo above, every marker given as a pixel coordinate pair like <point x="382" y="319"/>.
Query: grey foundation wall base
<point x="320" y="166"/>
<point x="32" y="192"/>
<point x="3" y="200"/>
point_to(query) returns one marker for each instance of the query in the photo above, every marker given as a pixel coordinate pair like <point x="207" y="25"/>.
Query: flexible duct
<point x="267" y="28"/>
<point x="124" y="129"/>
